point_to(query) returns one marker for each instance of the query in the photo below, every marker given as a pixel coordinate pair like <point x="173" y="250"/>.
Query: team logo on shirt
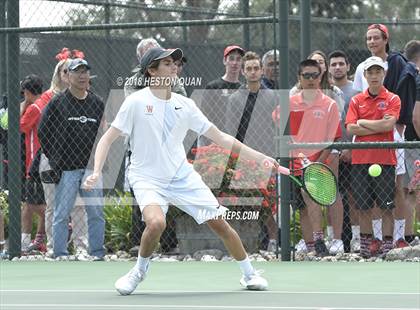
<point x="149" y="110"/>
<point x="82" y="119"/>
<point x="381" y="105"/>
<point x="318" y="114"/>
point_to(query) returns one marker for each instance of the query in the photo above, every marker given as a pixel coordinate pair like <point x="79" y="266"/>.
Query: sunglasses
<point x="310" y="75"/>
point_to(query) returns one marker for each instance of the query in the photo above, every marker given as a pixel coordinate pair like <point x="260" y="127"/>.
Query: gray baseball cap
<point x="158" y="53"/>
<point x="77" y="62"/>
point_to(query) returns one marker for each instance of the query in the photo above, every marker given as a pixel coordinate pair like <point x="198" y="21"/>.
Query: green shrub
<point x="117" y="212"/>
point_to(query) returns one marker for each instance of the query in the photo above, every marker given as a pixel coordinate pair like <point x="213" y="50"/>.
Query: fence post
<point x="305" y="28"/>
<point x="3" y="77"/>
<point x="245" y="9"/>
<point x="13" y="143"/>
<point x="283" y="26"/>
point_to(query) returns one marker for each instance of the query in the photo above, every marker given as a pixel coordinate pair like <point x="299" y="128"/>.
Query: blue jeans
<point x="65" y="196"/>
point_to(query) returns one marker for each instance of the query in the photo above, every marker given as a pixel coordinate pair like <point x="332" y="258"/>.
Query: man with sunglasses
<point x="314" y="117"/>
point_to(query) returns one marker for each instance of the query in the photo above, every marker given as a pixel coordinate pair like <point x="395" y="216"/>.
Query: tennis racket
<point x="317" y="180"/>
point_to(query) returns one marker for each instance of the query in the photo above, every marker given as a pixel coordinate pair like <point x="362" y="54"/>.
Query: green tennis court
<point x="199" y="285"/>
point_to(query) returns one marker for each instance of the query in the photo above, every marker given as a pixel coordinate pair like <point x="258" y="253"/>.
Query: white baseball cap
<point x="373" y="61"/>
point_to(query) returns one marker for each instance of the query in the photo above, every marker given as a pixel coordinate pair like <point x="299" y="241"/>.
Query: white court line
<point x="78" y="306"/>
<point x="202" y="292"/>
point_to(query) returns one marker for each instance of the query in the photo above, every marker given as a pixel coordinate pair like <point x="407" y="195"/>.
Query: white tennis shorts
<point x="189" y="194"/>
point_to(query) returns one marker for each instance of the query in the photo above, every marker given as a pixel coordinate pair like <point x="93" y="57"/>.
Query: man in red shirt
<point x="371" y="118"/>
<point x="31" y="109"/>
<point x="314" y="117"/>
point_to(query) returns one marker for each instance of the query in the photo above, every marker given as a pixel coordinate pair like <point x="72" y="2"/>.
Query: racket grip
<point x="283" y="170"/>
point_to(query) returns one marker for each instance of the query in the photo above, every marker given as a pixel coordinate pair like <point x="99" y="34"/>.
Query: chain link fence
<point x="111" y="220"/>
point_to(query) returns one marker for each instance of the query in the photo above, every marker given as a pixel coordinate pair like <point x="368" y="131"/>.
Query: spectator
<point x="249" y="114"/>
<point x="31" y="87"/>
<point x="218" y="91"/>
<point x="78" y="223"/>
<point x="310" y="108"/>
<point x="67" y="132"/>
<point x="270" y="69"/>
<point x="339" y="68"/>
<point x="335" y="212"/>
<point x="377" y="40"/>
<point x="371" y="117"/>
<point x="411" y="78"/>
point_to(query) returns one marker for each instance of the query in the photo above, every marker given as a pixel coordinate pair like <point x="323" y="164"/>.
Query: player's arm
<point x="357" y="130"/>
<point x="377" y="126"/>
<point x="100" y="155"/>
<point x="228" y="142"/>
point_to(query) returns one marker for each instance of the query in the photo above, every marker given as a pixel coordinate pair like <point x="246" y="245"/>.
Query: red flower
<point x="212" y="161"/>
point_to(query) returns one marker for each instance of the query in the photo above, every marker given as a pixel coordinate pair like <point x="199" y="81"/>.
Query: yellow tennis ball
<point x="375" y="170"/>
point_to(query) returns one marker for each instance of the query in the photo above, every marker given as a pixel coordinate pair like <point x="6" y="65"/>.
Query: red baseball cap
<point x="229" y="49"/>
<point x="381" y="27"/>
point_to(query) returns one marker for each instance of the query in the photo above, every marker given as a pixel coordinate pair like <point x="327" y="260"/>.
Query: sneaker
<point x="320" y="248"/>
<point x="82" y="255"/>
<point x="355" y="245"/>
<point x="36" y="246"/>
<point x="375" y="247"/>
<point x="301" y="247"/>
<point x="401" y="243"/>
<point x="415" y="242"/>
<point x="336" y="247"/>
<point x="254" y="282"/>
<point x="128" y="283"/>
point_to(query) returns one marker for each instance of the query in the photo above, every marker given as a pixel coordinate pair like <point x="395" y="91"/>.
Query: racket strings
<point x="320" y="183"/>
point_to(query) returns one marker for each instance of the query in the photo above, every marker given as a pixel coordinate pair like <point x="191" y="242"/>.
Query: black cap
<point x="158" y="53"/>
<point x="32" y="83"/>
<point x="77" y="62"/>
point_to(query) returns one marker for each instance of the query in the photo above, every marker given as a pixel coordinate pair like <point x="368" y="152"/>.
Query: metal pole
<point x="283" y="27"/>
<point x="305" y="28"/>
<point x="245" y="8"/>
<point x="3" y="77"/>
<point x="13" y="143"/>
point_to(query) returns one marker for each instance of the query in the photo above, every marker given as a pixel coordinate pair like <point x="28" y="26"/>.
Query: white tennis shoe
<point x="128" y="283"/>
<point x="254" y="282"/>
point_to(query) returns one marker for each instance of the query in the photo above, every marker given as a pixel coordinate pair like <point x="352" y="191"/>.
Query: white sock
<point x="377" y="229"/>
<point x="330" y="232"/>
<point x="355" y="230"/>
<point x="399" y="229"/>
<point x="143" y="263"/>
<point x="246" y="267"/>
<point x="25" y="241"/>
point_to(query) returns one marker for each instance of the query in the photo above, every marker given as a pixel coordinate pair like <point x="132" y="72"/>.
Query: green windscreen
<point x="320" y="183"/>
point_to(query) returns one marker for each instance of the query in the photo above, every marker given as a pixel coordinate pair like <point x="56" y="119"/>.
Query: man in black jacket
<point x="67" y="133"/>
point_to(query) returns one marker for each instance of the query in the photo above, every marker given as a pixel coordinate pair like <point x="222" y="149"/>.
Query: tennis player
<point x="156" y="121"/>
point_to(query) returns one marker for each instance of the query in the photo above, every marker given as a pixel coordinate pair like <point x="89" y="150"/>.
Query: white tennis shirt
<point x="156" y="129"/>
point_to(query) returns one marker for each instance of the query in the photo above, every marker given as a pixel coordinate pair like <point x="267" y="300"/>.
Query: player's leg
<point x="198" y="201"/>
<point x="361" y="184"/>
<point x="155" y="225"/>
<point x="384" y="189"/>
<point x="153" y="207"/>
<point x="251" y="278"/>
